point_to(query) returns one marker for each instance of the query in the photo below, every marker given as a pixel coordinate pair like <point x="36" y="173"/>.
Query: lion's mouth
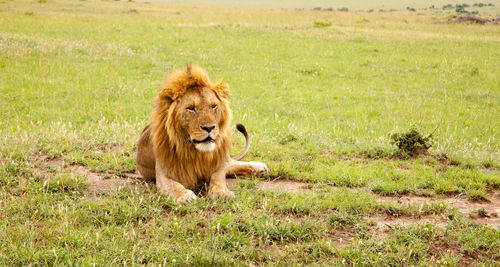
<point x="206" y="140"/>
<point x="205" y="145"/>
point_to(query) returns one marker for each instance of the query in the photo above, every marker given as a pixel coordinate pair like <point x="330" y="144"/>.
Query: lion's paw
<point x="259" y="168"/>
<point x="185" y="196"/>
<point x="219" y="192"/>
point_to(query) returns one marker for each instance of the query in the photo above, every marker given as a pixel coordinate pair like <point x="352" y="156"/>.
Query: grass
<point x="77" y="79"/>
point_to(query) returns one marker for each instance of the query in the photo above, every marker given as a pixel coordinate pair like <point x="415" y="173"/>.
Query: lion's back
<point x="145" y="158"/>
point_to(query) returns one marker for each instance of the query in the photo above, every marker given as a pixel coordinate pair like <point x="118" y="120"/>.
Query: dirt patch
<point x="483" y="212"/>
<point x="279" y="184"/>
<point x="55" y="162"/>
<point x="99" y="181"/>
<point x="440" y="248"/>
<point x="390" y="222"/>
<point x="342" y="237"/>
<point x="385" y="225"/>
<point x="285" y="186"/>
<point x="479" y="211"/>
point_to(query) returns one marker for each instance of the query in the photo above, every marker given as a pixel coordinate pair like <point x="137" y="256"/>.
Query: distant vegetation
<point x="458" y="8"/>
<point x="461" y="8"/>
<point x="321" y="24"/>
<point x="342" y="9"/>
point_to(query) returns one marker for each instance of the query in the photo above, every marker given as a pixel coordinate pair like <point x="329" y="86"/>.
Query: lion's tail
<point x="242" y="129"/>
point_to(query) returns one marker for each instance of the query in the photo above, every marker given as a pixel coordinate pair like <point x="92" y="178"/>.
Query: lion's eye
<point x="192" y="108"/>
<point x="213" y="106"/>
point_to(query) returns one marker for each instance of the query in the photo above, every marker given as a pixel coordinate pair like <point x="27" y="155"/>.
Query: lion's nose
<point x="208" y="128"/>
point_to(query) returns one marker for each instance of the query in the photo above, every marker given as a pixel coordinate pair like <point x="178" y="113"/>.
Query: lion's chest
<point x="193" y="173"/>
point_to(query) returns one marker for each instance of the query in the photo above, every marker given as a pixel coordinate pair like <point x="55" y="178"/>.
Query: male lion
<point x="189" y="140"/>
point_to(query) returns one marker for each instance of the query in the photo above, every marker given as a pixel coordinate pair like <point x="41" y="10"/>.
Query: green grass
<point x="77" y="79"/>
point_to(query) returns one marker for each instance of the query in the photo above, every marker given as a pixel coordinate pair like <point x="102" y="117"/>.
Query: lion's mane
<point x="185" y="164"/>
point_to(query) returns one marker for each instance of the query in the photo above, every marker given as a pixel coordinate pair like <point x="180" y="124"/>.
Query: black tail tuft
<point x="242" y="129"/>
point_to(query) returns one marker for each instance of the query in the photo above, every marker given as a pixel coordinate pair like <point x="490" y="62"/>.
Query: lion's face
<point x="199" y="113"/>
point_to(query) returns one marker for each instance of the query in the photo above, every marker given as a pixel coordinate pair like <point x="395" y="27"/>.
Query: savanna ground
<point x="319" y="92"/>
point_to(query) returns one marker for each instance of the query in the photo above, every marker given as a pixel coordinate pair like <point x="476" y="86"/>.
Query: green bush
<point x="321" y="24"/>
<point x="411" y="142"/>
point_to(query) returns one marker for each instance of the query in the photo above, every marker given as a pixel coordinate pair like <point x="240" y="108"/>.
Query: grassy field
<point x="320" y="93"/>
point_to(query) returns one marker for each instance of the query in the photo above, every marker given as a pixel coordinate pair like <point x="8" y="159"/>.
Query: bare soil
<point x="99" y="181"/>
<point x="479" y="211"/>
<point x="469" y="209"/>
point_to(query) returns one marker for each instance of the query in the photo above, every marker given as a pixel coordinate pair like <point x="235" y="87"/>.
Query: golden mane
<point x="187" y="165"/>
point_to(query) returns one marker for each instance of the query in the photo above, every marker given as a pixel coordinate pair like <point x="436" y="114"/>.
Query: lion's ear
<point x="164" y="98"/>
<point x="168" y="99"/>
<point x="222" y="89"/>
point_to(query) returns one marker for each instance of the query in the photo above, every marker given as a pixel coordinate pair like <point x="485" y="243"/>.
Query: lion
<point x="189" y="140"/>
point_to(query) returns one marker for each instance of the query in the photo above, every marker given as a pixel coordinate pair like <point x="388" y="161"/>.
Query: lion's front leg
<point x="241" y="168"/>
<point x="174" y="190"/>
<point x="217" y="187"/>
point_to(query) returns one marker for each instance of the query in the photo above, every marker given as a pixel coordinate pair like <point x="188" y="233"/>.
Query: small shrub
<point x="317" y="8"/>
<point x="448" y="6"/>
<point x="460" y="9"/>
<point x="370" y="10"/>
<point x="411" y="9"/>
<point x="42" y="1"/>
<point x="343" y="9"/>
<point x="411" y="143"/>
<point x="479" y="213"/>
<point x="483" y="213"/>
<point x="322" y="24"/>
